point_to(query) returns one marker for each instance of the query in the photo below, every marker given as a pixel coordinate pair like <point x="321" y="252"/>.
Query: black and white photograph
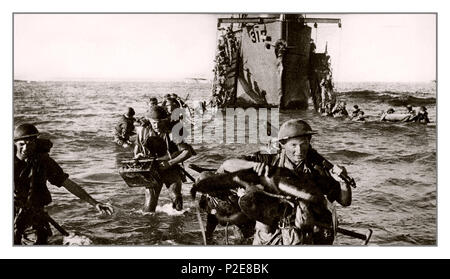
<point x="224" y="130"/>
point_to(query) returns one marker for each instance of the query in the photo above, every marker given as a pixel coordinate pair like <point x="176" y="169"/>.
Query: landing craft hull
<point x="260" y="78"/>
<point x="271" y="65"/>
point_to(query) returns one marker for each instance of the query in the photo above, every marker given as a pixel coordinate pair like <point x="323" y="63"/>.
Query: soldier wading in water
<point x="155" y="140"/>
<point x="286" y="221"/>
<point x="33" y="167"/>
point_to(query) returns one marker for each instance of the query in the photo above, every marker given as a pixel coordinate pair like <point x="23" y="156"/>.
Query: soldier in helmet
<point x="409" y="110"/>
<point x="412" y="113"/>
<point x="302" y="223"/>
<point x="153" y="101"/>
<point x="125" y="128"/>
<point x="33" y="167"/>
<point x="171" y="104"/>
<point x="356" y="112"/>
<point x="422" y="116"/>
<point x="155" y="139"/>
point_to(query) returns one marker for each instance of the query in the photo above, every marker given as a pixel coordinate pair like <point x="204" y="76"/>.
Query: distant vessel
<point x="20" y="80"/>
<point x="196" y="80"/>
<point x="269" y="61"/>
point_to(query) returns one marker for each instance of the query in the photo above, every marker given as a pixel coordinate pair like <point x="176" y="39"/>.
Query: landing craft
<point x="268" y="61"/>
<point x="195" y="80"/>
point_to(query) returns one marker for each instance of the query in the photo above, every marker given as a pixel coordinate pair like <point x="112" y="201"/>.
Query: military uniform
<point x="31" y="194"/>
<point x="123" y="130"/>
<point x="280" y="223"/>
<point x="149" y="143"/>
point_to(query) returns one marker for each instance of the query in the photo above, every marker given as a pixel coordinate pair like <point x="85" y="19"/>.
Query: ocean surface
<point x="393" y="164"/>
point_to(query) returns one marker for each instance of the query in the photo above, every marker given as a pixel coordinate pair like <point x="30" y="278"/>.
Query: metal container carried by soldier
<point x="140" y="173"/>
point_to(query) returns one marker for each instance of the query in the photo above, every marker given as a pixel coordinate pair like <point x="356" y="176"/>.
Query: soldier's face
<point x="25" y="148"/>
<point x="158" y="125"/>
<point x="297" y="148"/>
<point x="170" y="107"/>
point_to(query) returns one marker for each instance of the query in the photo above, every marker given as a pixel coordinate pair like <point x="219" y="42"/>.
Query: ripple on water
<point x="393" y="163"/>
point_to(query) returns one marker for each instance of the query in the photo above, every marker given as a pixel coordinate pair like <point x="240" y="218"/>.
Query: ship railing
<point x="262" y="20"/>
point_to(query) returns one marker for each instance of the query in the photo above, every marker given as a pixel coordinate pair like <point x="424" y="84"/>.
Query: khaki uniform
<point x="149" y="143"/>
<point x="31" y="195"/>
<point x="283" y="224"/>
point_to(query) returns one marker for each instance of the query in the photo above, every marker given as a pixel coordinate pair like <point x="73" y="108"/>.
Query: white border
<point x="7" y="251"/>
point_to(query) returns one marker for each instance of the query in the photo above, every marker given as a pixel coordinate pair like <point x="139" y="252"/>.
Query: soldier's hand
<point x="139" y="155"/>
<point x="240" y="192"/>
<point x="104" y="208"/>
<point x="339" y="170"/>
<point x="261" y="169"/>
<point x="164" y="164"/>
<point x="339" y="173"/>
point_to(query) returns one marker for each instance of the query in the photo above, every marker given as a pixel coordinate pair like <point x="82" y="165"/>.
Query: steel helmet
<point x="294" y="128"/>
<point x="157" y="113"/>
<point x="173" y="101"/>
<point x="25" y="131"/>
<point x="130" y="112"/>
<point x="153" y="101"/>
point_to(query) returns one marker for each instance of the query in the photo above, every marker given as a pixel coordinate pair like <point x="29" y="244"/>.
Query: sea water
<point x="393" y="164"/>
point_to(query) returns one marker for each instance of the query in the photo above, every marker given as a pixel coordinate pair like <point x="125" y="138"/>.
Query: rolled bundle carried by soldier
<point x="280" y="182"/>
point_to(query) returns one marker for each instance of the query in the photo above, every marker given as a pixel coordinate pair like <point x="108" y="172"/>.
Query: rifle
<point x="366" y="237"/>
<point x="148" y="160"/>
<point x="344" y="176"/>
<point x="199" y="169"/>
<point x="56" y="225"/>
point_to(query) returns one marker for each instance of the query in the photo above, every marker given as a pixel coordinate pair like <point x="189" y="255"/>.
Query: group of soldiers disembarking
<point x="225" y="63"/>
<point x="410" y="115"/>
<point x="276" y="214"/>
<point x="326" y="103"/>
<point x="278" y="198"/>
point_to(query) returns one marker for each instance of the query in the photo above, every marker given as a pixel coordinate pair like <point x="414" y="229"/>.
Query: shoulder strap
<point x="142" y="134"/>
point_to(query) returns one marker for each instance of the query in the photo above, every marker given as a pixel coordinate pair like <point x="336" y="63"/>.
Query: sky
<point x="368" y="47"/>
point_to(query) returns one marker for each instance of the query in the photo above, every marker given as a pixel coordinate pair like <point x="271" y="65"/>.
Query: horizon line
<point x="200" y="79"/>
